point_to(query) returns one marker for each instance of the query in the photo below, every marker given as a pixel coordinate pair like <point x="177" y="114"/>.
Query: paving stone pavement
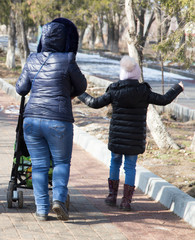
<point x="90" y="218"/>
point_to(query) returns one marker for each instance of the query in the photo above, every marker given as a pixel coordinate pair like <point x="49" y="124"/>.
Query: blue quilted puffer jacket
<point x="60" y="78"/>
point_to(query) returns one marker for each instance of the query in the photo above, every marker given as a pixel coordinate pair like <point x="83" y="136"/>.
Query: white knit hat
<point x="129" y="69"/>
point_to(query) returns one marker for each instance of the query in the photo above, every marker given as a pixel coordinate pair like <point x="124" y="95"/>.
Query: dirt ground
<point x="175" y="166"/>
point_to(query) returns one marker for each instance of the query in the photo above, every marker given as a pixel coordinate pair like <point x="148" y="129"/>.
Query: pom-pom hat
<point x="129" y="69"/>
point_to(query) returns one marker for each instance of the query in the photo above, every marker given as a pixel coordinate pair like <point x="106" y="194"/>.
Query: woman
<point x="53" y="78"/>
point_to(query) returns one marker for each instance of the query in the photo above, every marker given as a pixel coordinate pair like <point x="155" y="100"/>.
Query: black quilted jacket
<point x="129" y="99"/>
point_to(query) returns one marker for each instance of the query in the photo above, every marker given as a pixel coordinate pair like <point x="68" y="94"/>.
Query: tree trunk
<point x="93" y="37"/>
<point x="114" y="39"/>
<point x="101" y="25"/>
<point x="22" y="42"/>
<point x="154" y="122"/>
<point x="162" y="32"/>
<point x="81" y="38"/>
<point x="113" y="33"/>
<point x="133" y="46"/>
<point x="110" y="35"/>
<point x="115" y="46"/>
<point x="158" y="131"/>
<point x="162" y="75"/>
<point x="159" y="39"/>
<point x="10" y="58"/>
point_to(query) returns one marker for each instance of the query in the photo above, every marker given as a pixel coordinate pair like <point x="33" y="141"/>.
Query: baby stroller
<point x="21" y="174"/>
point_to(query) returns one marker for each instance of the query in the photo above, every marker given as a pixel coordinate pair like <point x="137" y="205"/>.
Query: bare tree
<point x="136" y="21"/>
<point x="21" y="35"/>
<point x="114" y="17"/>
<point x="164" y="22"/>
<point x="133" y="43"/>
<point x="93" y="35"/>
<point x="10" y="58"/>
<point x="100" y="26"/>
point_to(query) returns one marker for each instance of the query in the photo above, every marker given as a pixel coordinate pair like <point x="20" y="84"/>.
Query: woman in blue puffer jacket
<point x="53" y="78"/>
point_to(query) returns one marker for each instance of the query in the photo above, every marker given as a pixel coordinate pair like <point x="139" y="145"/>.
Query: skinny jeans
<point x="129" y="167"/>
<point x="49" y="140"/>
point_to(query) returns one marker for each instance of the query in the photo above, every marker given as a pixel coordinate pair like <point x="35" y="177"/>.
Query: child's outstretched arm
<point x="181" y="84"/>
<point x="98" y="102"/>
<point x="168" y="97"/>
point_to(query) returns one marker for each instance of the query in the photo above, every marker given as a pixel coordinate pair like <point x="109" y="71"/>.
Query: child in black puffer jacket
<point x="127" y="133"/>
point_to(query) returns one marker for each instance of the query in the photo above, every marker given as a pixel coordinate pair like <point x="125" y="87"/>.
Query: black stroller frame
<point x="18" y="179"/>
<point x="20" y="175"/>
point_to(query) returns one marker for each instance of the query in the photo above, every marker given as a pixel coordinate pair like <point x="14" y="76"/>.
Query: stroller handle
<point x="19" y="130"/>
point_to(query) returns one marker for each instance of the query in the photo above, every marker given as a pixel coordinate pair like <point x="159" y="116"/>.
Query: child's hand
<point x="181" y="84"/>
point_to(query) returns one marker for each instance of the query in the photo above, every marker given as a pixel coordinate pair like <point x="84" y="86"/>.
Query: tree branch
<point x="152" y="18"/>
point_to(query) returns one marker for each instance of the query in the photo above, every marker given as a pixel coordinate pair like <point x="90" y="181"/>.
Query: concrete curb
<point x="9" y="89"/>
<point x="180" y="112"/>
<point x="157" y="188"/>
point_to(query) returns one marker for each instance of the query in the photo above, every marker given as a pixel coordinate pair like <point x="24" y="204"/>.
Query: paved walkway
<point x="90" y="218"/>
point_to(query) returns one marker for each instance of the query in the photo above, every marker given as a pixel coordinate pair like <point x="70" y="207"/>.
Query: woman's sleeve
<point x="168" y="97"/>
<point x="78" y="80"/>
<point x="23" y="84"/>
<point x="98" y="102"/>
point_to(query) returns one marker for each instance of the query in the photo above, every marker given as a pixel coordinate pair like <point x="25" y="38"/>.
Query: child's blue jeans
<point x="129" y="167"/>
<point x="49" y="139"/>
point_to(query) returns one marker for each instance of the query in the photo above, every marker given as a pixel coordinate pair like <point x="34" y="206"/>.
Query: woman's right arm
<point x="98" y="102"/>
<point x="23" y="84"/>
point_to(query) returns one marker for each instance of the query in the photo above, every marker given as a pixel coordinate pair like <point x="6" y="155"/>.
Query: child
<point x="127" y="133"/>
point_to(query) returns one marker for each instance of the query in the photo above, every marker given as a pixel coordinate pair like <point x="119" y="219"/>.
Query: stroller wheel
<point x="20" y="199"/>
<point x="11" y="186"/>
<point x="9" y="199"/>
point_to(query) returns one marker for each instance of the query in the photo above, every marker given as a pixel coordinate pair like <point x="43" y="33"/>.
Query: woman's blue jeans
<point x="49" y="140"/>
<point x="129" y="167"/>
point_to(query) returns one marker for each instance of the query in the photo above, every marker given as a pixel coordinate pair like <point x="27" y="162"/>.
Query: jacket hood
<point x="125" y="83"/>
<point x="60" y="35"/>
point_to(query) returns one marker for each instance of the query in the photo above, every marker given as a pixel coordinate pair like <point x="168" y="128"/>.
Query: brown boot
<point x="127" y="197"/>
<point x="113" y="190"/>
